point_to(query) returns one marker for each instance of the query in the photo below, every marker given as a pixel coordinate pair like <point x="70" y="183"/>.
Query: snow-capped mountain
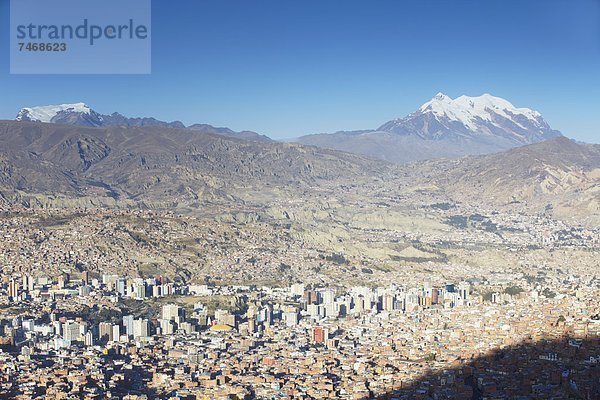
<point x="445" y="127"/>
<point x="472" y="117"/>
<point x="82" y="114"/>
<point x="71" y="114"/>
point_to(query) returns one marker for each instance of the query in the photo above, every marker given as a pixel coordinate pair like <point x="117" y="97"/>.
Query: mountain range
<point x="55" y="165"/>
<point x="82" y="115"/>
<point x="444" y="127"/>
<point x="71" y="155"/>
<point x="46" y="165"/>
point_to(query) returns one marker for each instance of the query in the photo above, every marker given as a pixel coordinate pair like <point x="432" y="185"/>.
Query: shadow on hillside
<point x="558" y="369"/>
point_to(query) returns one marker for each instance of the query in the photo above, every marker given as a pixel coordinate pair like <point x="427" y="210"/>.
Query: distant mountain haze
<point x="444" y="127"/>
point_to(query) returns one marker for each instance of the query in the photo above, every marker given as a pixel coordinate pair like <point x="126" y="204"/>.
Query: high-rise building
<point x="331" y="310"/>
<point x="28" y="324"/>
<point x="290" y="317"/>
<point x="224" y="317"/>
<point x="140" y="328"/>
<point x="319" y="334"/>
<point x="88" y="339"/>
<point x="85" y="277"/>
<point x="63" y="279"/>
<point x="71" y="331"/>
<point x="121" y="285"/>
<point x="110" y="281"/>
<point x="344" y="307"/>
<point x="435" y="296"/>
<point x="167" y="289"/>
<point x="58" y="328"/>
<point x="128" y="324"/>
<point x="326" y="296"/>
<point x="387" y="302"/>
<point x="116" y="332"/>
<point x="187" y="327"/>
<point x="171" y="312"/>
<point x="359" y="304"/>
<point x="167" y="327"/>
<point x="83" y="326"/>
<point x="25" y="281"/>
<point x="464" y="290"/>
<point x="140" y="290"/>
<point x="13" y="289"/>
<point x="310" y="297"/>
<point x="251" y="316"/>
<point x="105" y="332"/>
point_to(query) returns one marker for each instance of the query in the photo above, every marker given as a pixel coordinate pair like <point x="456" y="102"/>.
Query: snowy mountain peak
<point x="47" y="113"/>
<point x="486" y="119"/>
<point x="441" y="96"/>
<point x="471" y="111"/>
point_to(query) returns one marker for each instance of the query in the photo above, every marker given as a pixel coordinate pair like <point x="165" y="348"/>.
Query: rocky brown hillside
<point x="40" y="163"/>
<point x="53" y="165"/>
<point x="558" y="176"/>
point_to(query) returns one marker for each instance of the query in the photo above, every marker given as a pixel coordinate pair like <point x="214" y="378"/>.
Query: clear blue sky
<point x="287" y="68"/>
